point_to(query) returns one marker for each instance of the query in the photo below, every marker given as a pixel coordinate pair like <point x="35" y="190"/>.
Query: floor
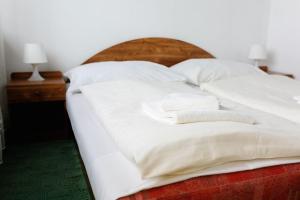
<point x="43" y="171"/>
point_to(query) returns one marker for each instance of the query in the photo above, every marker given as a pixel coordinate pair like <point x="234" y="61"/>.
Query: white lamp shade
<point x="257" y="52"/>
<point x="34" y="54"/>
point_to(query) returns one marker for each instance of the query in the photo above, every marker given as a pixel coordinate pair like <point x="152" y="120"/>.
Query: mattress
<point x="112" y="176"/>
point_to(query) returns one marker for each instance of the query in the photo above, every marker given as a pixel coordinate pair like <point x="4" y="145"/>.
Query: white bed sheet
<point x="273" y="94"/>
<point x="111" y="175"/>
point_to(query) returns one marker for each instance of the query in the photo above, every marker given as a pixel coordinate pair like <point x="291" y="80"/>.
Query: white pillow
<point x="199" y="71"/>
<point x="111" y="70"/>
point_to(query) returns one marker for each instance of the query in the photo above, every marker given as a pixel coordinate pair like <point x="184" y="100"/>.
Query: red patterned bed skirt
<point x="271" y="183"/>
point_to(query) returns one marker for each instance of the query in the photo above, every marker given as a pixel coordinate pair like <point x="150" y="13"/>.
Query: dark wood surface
<point x="164" y="51"/>
<point x="264" y="68"/>
<point x="281" y="74"/>
<point x="26" y="75"/>
<point x="20" y="90"/>
<point x="37" y="108"/>
<point x="267" y="70"/>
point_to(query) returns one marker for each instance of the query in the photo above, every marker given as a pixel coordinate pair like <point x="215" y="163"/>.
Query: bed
<point x="111" y="174"/>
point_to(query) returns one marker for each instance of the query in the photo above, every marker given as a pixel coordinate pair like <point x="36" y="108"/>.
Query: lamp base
<point x="256" y="63"/>
<point x="36" y="75"/>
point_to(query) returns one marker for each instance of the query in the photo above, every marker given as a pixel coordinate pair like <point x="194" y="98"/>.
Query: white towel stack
<point x="182" y="108"/>
<point x="297" y="98"/>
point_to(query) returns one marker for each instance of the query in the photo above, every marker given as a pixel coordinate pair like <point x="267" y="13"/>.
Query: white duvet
<point x="272" y="94"/>
<point x="159" y="149"/>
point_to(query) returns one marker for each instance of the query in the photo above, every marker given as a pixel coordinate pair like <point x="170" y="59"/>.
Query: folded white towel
<point x="186" y="101"/>
<point x="154" y="111"/>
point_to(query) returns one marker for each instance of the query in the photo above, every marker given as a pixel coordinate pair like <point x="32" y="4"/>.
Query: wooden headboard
<point x="164" y="51"/>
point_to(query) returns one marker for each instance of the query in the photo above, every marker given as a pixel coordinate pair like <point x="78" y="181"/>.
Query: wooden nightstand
<point x="37" y="108"/>
<point x="266" y="69"/>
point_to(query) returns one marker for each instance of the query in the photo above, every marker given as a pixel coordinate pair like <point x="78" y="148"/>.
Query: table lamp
<point x="34" y="55"/>
<point x="257" y="53"/>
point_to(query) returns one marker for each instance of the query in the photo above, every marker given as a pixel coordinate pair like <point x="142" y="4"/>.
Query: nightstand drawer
<point x="36" y="94"/>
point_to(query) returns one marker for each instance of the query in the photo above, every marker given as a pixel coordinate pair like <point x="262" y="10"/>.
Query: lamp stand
<point x="35" y="74"/>
<point x="256" y="63"/>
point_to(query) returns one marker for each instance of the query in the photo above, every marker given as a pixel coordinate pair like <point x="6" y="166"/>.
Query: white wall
<point x="73" y="30"/>
<point x="284" y="36"/>
<point x="2" y="69"/>
<point x="2" y="66"/>
<point x="2" y="86"/>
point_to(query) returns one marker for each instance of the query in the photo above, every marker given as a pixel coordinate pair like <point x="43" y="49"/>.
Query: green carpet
<point x="43" y="171"/>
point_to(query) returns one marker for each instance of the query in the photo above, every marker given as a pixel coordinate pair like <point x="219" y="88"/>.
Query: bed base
<point x="271" y="183"/>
